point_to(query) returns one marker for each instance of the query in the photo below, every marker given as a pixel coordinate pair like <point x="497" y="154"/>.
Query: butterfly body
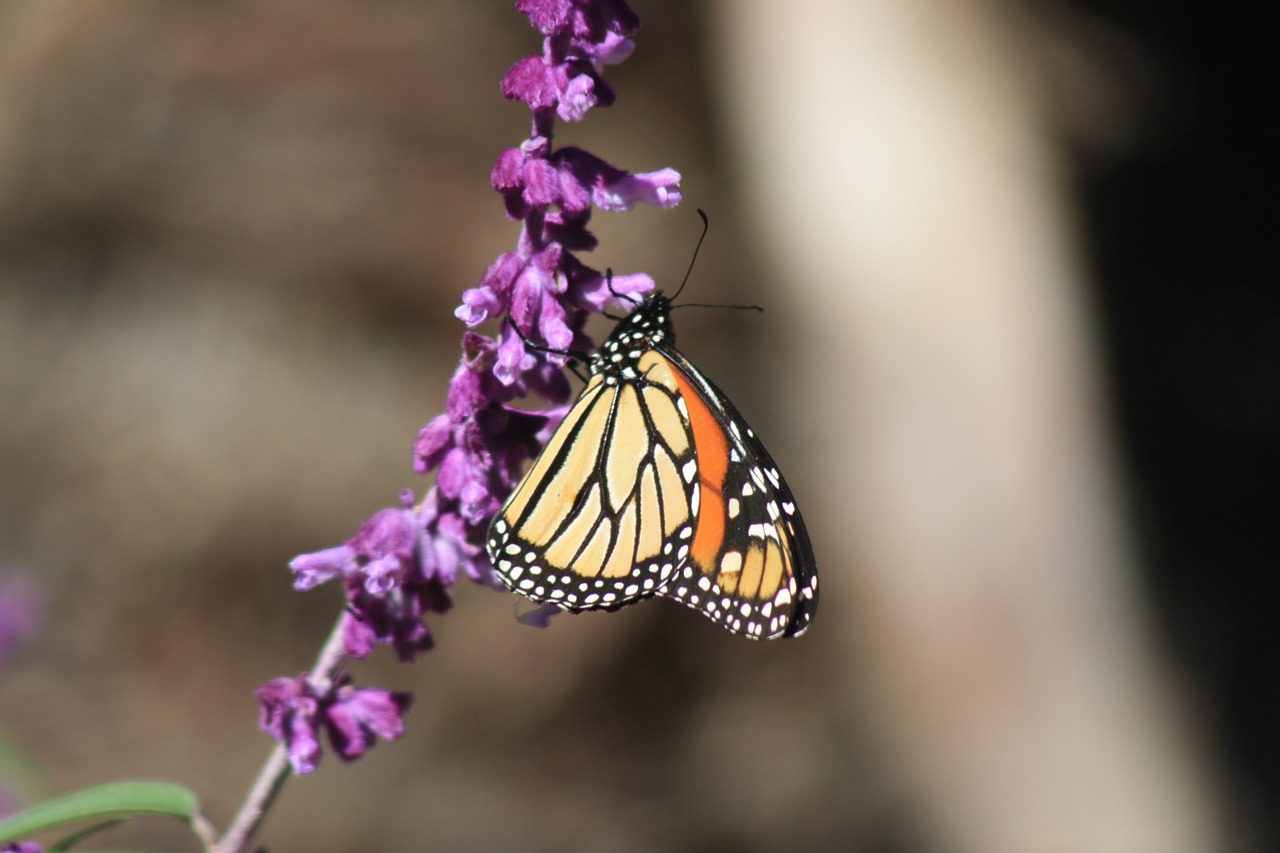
<point x="653" y="484"/>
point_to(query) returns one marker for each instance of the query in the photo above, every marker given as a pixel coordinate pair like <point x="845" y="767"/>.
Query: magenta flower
<point x="395" y="570"/>
<point x="290" y="714"/>
<point x="356" y="718"/>
<point x="295" y="711"/>
<point x="400" y="565"/>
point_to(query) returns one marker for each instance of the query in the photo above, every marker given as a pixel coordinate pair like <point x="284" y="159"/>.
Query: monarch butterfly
<point x="653" y="484"/>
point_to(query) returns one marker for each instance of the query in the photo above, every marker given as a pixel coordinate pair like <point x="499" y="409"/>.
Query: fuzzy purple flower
<point x="295" y="711"/>
<point x="480" y="445"/>
<point x="396" y="569"/>
<point x="356" y="718"/>
<point x="21" y="847"/>
<point x="545" y="292"/>
<point x="401" y="564"/>
<point x="290" y="714"/>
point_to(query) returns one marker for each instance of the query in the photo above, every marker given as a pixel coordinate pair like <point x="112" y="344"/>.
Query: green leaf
<point x="112" y="800"/>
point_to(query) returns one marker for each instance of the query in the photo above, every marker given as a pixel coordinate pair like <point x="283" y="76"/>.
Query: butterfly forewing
<point x="654" y="485"/>
<point x="603" y="518"/>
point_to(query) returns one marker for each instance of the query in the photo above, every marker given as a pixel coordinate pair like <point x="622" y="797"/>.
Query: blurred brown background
<point x="1009" y="365"/>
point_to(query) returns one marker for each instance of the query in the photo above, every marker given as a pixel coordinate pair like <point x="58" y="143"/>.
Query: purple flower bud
<point x="551" y="324"/>
<point x="295" y="709"/>
<point x="433" y="442"/>
<point x="595" y="19"/>
<point x="385" y="548"/>
<point x="591" y="290"/>
<point x="501" y="275"/>
<point x="314" y="569"/>
<point x="356" y="718"/>
<point x="613" y="49"/>
<point x="393" y="618"/>
<point x="578" y="97"/>
<point x="359" y="638"/>
<point x="446" y="545"/>
<point x="621" y="292"/>
<point x="615" y="189"/>
<point x="290" y="712"/>
<point x="478" y="305"/>
<point x="21" y="847"/>
<point x="659" y="189"/>
<point x="547" y="16"/>
<point x="513" y="357"/>
<point x="534" y="81"/>
<point x="453" y="473"/>
<point x="473" y="385"/>
<point x="541" y="184"/>
<point x="508" y="173"/>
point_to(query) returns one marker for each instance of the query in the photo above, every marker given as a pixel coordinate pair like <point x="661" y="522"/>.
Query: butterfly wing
<point x="604" y="516"/>
<point x="751" y="566"/>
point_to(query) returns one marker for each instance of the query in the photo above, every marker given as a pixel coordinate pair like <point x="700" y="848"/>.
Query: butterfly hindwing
<point x="751" y="567"/>
<point x="653" y="484"/>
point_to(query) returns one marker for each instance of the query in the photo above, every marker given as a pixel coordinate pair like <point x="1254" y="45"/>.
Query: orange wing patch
<point x="712" y="452"/>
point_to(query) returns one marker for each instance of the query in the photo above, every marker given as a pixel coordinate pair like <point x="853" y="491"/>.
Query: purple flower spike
<point x="544" y="292"/>
<point x="21" y="847"/>
<point x="402" y="563"/>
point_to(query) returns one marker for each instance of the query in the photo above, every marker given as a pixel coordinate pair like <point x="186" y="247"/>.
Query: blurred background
<point x="1019" y="365"/>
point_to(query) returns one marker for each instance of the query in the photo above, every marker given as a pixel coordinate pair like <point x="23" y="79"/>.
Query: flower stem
<point x="275" y="771"/>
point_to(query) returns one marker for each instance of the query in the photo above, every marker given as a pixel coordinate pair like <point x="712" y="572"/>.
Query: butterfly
<point x="654" y="485"/>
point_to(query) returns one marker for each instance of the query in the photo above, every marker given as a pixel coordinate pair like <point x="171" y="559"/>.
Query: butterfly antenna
<point x="759" y="308"/>
<point x="576" y="355"/>
<point x="706" y="225"/>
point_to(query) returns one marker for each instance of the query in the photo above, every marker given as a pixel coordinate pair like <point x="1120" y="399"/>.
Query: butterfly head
<point x="647" y="326"/>
<point x="653" y="312"/>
